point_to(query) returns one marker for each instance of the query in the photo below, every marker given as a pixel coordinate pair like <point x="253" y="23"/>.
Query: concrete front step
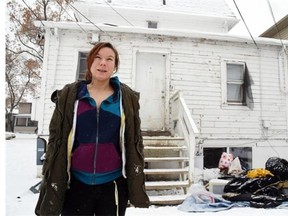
<point x="166" y="171"/>
<point x="167" y="199"/>
<point x="160" y="185"/>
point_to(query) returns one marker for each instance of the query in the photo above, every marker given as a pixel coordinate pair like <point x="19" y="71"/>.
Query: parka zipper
<point x="97" y="140"/>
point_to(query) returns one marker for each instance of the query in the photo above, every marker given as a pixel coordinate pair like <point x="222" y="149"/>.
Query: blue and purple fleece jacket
<point x="96" y="154"/>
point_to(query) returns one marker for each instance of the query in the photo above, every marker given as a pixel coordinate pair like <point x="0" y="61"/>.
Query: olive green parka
<point x="55" y="169"/>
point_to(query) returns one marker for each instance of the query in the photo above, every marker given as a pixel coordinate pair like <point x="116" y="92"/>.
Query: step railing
<point x="184" y="125"/>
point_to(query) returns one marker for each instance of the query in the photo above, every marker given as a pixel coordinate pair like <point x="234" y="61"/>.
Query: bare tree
<point x="25" y="48"/>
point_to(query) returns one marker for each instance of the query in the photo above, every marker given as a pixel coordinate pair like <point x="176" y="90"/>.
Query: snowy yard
<point x="21" y="172"/>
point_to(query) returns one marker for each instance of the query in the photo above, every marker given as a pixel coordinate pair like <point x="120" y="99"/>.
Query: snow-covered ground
<point x="21" y="174"/>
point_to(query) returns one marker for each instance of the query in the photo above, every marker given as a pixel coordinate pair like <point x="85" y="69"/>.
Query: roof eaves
<point x="281" y="24"/>
<point x="165" y="32"/>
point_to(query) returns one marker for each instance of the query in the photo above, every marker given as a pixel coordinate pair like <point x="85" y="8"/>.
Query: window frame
<point x="224" y="83"/>
<point x="21" y="121"/>
<point x="78" y="66"/>
<point x="24" y="121"/>
<point x="152" y="24"/>
<point x="239" y="83"/>
<point x="77" y="55"/>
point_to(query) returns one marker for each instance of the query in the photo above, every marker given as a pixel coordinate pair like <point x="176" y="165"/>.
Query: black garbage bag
<point x="270" y="190"/>
<point x="262" y="201"/>
<point x="248" y="185"/>
<point x="278" y="166"/>
<point x="268" y="197"/>
<point x="234" y="185"/>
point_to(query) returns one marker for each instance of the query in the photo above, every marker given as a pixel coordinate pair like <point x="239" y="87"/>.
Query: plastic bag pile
<point x="263" y="188"/>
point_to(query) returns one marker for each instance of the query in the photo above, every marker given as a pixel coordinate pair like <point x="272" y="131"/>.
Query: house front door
<point x="150" y="82"/>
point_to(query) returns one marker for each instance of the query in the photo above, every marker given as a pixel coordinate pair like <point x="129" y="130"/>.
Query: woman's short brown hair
<point x="94" y="51"/>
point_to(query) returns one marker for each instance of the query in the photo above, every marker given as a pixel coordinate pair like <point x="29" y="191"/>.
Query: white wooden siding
<point x="196" y="71"/>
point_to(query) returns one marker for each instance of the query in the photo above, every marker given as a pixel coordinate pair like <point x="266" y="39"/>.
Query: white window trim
<point x="224" y="102"/>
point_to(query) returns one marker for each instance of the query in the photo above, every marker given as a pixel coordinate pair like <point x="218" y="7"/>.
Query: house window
<point x="82" y="66"/>
<point x="152" y="24"/>
<point x="237" y="84"/>
<point x="21" y="121"/>
<point x="244" y="154"/>
<point x="25" y="121"/>
<point x="213" y="155"/>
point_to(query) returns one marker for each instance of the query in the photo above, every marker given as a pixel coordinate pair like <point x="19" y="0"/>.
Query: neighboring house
<point x="278" y="31"/>
<point x="220" y="92"/>
<point x="22" y="120"/>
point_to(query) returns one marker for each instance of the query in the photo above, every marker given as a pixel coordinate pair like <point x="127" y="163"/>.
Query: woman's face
<point x="103" y="65"/>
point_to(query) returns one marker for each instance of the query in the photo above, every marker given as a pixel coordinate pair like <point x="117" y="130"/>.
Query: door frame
<point x="166" y="75"/>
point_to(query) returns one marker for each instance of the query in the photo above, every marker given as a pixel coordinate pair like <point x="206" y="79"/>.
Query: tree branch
<point x="25" y="51"/>
<point x="38" y="54"/>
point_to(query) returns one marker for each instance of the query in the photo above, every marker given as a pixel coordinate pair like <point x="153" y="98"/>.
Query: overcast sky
<point x="257" y="15"/>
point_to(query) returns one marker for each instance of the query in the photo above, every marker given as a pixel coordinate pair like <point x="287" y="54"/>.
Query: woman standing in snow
<point x="94" y="162"/>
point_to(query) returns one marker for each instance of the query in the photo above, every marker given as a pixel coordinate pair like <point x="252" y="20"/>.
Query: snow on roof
<point x="200" y="7"/>
<point x="204" y="15"/>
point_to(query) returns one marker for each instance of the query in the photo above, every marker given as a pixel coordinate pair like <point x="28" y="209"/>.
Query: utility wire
<point x="275" y="24"/>
<point x="118" y="13"/>
<point x="245" y="24"/>
<point x="85" y="17"/>
<point x="71" y="16"/>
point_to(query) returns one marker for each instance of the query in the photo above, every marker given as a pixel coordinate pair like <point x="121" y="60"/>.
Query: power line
<point x="118" y="13"/>
<point x="245" y="24"/>
<point x="70" y="16"/>
<point x="85" y="17"/>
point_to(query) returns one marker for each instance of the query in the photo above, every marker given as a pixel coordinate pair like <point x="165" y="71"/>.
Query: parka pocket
<point x="54" y="198"/>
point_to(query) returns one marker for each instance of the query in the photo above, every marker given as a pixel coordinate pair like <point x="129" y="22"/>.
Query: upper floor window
<point x="152" y="24"/>
<point x="82" y="65"/>
<point x="237" y="84"/>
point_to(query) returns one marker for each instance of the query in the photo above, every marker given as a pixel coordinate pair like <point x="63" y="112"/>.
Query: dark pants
<point x="83" y="199"/>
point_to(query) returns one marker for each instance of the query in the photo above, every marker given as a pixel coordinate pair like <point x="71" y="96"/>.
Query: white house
<point x="211" y="91"/>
